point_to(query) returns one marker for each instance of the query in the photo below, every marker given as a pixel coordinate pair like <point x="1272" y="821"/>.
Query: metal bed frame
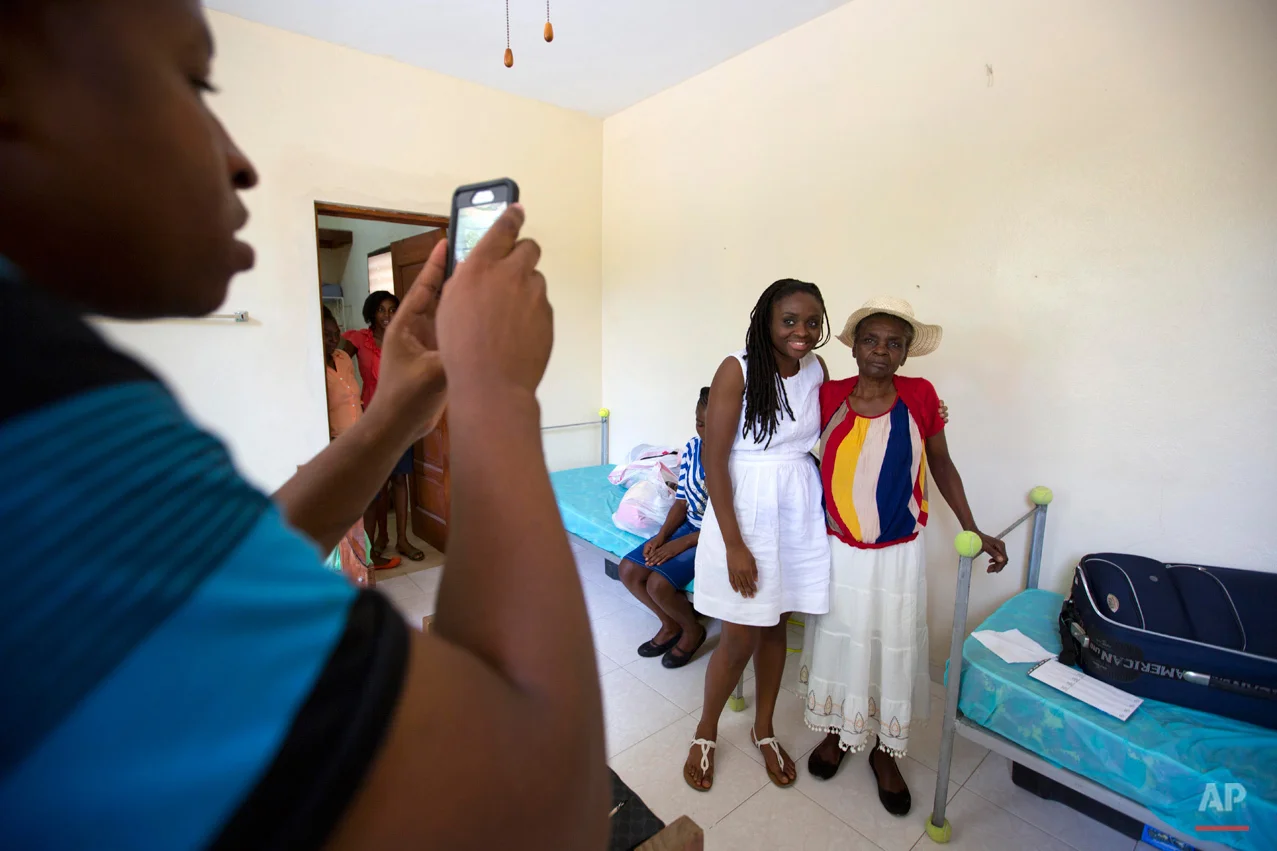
<point x="938" y="827"/>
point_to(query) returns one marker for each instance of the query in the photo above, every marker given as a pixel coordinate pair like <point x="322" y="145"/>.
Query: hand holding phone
<point x="475" y="208"/>
<point x="495" y="325"/>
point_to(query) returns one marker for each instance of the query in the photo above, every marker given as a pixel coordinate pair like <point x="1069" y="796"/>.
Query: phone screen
<point x="472" y="223"/>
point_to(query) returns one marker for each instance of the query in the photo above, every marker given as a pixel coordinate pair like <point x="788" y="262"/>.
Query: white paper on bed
<point x="1012" y="645"/>
<point x="1086" y="688"/>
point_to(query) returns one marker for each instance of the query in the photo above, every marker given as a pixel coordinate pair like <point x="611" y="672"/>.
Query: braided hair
<point x="765" y="396"/>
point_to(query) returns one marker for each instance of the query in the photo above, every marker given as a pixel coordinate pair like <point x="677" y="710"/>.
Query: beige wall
<point x="1096" y="230"/>
<point x="325" y="123"/>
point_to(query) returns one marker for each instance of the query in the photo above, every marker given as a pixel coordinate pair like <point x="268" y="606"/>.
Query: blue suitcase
<point x="1201" y="637"/>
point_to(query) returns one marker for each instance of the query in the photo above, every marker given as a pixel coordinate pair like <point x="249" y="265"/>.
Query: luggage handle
<point x="1236" y="615"/>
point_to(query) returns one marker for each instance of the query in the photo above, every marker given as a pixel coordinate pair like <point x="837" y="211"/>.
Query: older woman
<point x="864" y="665"/>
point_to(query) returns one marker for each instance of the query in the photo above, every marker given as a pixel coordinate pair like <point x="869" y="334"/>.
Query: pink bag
<point x="644" y="508"/>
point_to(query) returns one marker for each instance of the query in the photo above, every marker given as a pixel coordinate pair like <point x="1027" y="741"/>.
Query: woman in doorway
<point x="763" y="550"/>
<point x="365" y="345"/>
<point x="353" y="555"/>
<point x="864" y="663"/>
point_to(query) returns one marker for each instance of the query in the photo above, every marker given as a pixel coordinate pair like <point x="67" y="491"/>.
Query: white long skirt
<point x="778" y="507"/>
<point x="864" y="664"/>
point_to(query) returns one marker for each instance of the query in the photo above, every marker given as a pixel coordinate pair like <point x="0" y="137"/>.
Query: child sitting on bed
<point x="657" y="572"/>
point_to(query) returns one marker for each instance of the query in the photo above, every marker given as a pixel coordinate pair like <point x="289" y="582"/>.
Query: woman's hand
<point x="496" y="326"/>
<point x="996" y="549"/>
<point x="944" y="412"/>
<point x="742" y="571"/>
<point x="666" y="551"/>
<point x="652" y="546"/>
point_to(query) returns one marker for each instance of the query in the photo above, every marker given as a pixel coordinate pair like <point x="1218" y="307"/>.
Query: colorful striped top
<point x="691" y="482"/>
<point x="874" y="469"/>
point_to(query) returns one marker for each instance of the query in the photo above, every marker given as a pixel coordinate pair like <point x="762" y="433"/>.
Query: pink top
<point x="344" y="407"/>
<point x="369" y="359"/>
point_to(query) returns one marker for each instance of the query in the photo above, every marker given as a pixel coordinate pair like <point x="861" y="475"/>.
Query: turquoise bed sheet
<point x="1163" y="757"/>
<point x="587" y="501"/>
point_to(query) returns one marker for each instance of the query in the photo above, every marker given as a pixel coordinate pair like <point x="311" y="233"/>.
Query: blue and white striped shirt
<point x="691" y="482"/>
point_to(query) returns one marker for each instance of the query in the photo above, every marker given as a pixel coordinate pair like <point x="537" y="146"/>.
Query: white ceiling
<point x="606" y="55"/>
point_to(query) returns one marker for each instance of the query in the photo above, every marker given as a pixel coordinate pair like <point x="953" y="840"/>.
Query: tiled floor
<point x="651" y="715"/>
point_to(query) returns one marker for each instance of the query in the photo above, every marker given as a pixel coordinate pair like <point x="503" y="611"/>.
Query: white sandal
<point x="780" y="760"/>
<point x="706" y="746"/>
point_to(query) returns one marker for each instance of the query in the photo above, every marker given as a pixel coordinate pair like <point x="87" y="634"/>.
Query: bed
<point x="1155" y="768"/>
<point x="587" y="501"/>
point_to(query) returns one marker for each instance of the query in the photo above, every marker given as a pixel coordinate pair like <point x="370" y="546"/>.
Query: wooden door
<point x="430" y="482"/>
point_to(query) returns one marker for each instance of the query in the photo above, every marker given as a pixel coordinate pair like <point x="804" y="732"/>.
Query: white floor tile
<point x="796" y="738"/>
<point x="620" y="633"/>
<point x="632" y="711"/>
<point x="980" y="825"/>
<point x="852" y="795"/>
<point x="783" y="819"/>
<point x="924" y="746"/>
<point x="601" y="601"/>
<point x="408" y="598"/>
<point x="591" y="569"/>
<point x="427" y="580"/>
<point x="654" y="770"/>
<point x="684" y="687"/>
<point x="606" y="664"/>
<point x="992" y="781"/>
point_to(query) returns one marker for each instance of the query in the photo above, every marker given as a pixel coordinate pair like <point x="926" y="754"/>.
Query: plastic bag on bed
<point x="647" y="463"/>
<point x="643" y="508"/>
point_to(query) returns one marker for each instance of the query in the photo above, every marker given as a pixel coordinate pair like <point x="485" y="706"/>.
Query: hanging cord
<point x="509" y="54"/>
<point x="549" y="27"/>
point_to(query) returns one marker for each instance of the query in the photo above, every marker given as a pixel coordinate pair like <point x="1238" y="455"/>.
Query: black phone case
<point x="511" y="187"/>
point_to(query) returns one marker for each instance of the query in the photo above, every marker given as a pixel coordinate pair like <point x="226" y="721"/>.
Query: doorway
<point x="362" y="251"/>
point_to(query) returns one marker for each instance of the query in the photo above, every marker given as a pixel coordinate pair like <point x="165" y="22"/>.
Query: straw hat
<point x="926" y="338"/>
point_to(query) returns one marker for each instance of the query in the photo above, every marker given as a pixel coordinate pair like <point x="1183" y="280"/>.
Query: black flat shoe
<point x="896" y="803"/>
<point x="822" y="770"/>
<point x="676" y="658"/>
<point x="648" y="650"/>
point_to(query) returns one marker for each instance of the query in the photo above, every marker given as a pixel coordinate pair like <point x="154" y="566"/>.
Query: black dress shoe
<point x="822" y="770"/>
<point x="648" y="650"/>
<point x="676" y="658"/>
<point x="896" y="803"/>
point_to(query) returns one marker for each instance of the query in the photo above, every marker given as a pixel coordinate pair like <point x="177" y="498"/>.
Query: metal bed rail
<point x="604" y="421"/>
<point x="968" y="545"/>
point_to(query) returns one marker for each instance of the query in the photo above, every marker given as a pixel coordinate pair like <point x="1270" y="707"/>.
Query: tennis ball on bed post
<point x="1041" y="496"/>
<point x="604" y="413"/>
<point x="968" y="544"/>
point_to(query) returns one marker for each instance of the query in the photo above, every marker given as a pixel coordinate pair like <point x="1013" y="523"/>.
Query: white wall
<point x="326" y="123"/>
<point x="1096" y="230"/>
<point x="366" y="236"/>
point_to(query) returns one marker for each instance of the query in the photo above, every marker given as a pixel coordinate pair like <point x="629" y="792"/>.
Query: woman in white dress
<point x="864" y="663"/>
<point x="763" y="549"/>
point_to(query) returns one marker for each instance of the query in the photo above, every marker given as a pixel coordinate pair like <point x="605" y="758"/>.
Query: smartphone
<point x="474" y="209"/>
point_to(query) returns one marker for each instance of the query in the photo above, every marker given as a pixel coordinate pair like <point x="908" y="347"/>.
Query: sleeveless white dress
<point x="777" y="495"/>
